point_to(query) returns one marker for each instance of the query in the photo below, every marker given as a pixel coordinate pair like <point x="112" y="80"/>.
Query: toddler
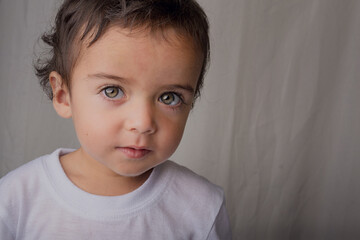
<point x="127" y="72"/>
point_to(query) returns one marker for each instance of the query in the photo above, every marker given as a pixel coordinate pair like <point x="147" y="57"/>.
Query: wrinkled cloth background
<point x="277" y="126"/>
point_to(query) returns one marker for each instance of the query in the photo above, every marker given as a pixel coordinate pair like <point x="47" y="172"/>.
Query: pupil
<point x="167" y="98"/>
<point x="111" y="92"/>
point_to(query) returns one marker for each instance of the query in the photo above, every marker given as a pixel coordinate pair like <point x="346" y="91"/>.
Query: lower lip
<point x="134" y="153"/>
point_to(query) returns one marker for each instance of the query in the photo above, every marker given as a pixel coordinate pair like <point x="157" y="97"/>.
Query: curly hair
<point x="76" y="19"/>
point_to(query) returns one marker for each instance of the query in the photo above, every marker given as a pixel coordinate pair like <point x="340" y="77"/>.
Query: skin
<point x="130" y="97"/>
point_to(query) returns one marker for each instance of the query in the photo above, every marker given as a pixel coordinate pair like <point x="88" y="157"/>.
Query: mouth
<point x="134" y="152"/>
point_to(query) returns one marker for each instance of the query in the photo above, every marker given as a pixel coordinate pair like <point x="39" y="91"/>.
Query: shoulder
<point x="16" y="188"/>
<point x="26" y="174"/>
<point x="25" y="180"/>
<point x="193" y="190"/>
<point x="21" y="176"/>
<point x="195" y="204"/>
<point x="192" y="183"/>
<point x="28" y="177"/>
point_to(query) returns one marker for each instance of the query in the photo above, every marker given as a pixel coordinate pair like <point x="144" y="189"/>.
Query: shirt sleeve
<point x="5" y="232"/>
<point x="221" y="228"/>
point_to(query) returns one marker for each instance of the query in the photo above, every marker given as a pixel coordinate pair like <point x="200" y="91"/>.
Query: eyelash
<point x="178" y="94"/>
<point x="102" y="91"/>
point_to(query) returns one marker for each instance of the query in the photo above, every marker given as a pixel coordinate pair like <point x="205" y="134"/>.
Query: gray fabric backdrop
<point x="278" y="124"/>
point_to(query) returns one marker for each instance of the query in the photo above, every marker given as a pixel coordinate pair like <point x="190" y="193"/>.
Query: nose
<point x="141" y="118"/>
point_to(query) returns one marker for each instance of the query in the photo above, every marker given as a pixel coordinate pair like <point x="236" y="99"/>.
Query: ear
<point x="61" y="95"/>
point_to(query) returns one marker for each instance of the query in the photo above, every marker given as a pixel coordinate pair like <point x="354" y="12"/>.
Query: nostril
<point x="141" y="119"/>
<point x="149" y="130"/>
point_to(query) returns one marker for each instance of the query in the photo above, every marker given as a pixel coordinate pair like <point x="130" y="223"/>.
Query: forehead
<point x="138" y="51"/>
<point x="161" y="36"/>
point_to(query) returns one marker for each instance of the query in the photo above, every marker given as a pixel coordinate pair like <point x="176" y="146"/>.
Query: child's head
<point x="79" y="20"/>
<point x="127" y="72"/>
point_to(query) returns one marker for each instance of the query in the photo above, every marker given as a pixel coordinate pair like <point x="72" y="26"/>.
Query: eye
<point x="170" y="98"/>
<point x="113" y="92"/>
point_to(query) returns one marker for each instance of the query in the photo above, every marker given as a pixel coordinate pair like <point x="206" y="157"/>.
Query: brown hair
<point x="95" y="16"/>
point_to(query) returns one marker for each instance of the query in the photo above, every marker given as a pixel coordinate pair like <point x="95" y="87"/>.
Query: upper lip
<point x="137" y="147"/>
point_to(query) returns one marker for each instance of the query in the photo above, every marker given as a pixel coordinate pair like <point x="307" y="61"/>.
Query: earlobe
<point x="61" y="95"/>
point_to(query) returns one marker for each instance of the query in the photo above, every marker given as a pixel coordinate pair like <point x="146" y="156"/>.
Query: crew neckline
<point x="102" y="207"/>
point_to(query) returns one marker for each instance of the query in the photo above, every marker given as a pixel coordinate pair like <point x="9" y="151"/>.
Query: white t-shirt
<point x="38" y="201"/>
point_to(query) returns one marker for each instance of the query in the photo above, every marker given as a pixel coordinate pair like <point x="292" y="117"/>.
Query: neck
<point x="95" y="179"/>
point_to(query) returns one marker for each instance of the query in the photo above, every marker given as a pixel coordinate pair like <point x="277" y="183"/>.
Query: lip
<point x="134" y="152"/>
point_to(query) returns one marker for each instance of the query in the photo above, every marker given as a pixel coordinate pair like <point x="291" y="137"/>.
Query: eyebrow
<point x="185" y="87"/>
<point x="106" y="76"/>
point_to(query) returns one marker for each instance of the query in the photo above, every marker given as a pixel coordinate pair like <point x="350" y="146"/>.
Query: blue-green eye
<point x="170" y="98"/>
<point x="113" y="92"/>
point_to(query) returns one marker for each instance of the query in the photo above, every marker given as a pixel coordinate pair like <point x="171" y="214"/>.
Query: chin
<point x="133" y="173"/>
<point x="137" y="172"/>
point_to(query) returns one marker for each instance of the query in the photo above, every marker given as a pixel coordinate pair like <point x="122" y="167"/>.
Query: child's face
<point x="130" y="98"/>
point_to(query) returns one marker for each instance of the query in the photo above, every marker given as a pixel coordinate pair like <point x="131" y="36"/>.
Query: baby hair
<point x="80" y="19"/>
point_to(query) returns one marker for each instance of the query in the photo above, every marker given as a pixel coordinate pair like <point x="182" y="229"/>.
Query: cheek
<point x="172" y="132"/>
<point x="91" y="124"/>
